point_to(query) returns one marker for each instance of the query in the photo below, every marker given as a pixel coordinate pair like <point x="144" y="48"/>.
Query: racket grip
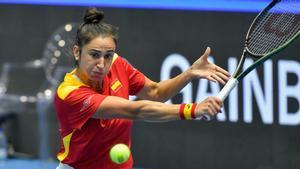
<point x="230" y="85"/>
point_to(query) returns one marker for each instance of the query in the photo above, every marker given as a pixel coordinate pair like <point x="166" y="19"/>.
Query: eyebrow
<point x="99" y="51"/>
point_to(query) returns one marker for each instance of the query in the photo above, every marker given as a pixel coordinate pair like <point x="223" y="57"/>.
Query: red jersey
<point x="85" y="141"/>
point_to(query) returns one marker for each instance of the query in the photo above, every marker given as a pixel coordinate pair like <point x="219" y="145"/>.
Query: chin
<point x="97" y="78"/>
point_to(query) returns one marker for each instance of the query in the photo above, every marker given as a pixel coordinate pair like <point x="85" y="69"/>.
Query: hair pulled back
<point x="93" y="27"/>
<point x="92" y="15"/>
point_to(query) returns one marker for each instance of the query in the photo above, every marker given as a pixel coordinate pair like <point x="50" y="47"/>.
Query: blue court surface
<point x="27" y="164"/>
<point x="30" y="164"/>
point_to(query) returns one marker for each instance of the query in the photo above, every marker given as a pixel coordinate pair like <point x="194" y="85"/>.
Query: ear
<point x="76" y="52"/>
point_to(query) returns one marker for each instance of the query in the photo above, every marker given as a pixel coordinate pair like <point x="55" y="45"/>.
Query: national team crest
<point x="116" y="85"/>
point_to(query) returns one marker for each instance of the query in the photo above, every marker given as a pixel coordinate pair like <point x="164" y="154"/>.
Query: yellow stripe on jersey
<point x="64" y="90"/>
<point x="70" y="84"/>
<point x="115" y="57"/>
<point x="66" y="142"/>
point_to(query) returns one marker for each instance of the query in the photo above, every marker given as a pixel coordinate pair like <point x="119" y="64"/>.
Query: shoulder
<point x="119" y="60"/>
<point x="69" y="85"/>
<point x="65" y="89"/>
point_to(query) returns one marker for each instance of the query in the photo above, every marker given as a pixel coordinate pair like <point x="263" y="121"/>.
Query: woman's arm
<point x="116" y="107"/>
<point x="166" y="89"/>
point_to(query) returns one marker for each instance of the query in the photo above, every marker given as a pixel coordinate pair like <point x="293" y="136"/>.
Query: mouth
<point x="97" y="74"/>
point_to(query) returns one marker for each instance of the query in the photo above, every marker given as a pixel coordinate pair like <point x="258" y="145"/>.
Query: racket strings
<point x="264" y="43"/>
<point x="58" y="51"/>
<point x="274" y="27"/>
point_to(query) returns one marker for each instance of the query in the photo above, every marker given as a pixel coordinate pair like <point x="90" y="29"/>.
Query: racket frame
<point x="246" y="49"/>
<point x="238" y="75"/>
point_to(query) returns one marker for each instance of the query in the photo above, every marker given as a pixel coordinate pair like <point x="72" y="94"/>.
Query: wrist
<point x="187" y="111"/>
<point x="189" y="75"/>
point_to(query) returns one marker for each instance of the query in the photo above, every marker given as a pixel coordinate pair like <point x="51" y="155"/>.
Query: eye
<point x="108" y="55"/>
<point x="95" y="55"/>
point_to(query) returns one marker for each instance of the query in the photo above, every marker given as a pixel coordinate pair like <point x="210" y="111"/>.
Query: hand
<point x="201" y="68"/>
<point x="211" y="106"/>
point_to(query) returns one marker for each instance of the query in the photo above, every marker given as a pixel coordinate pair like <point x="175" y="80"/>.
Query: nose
<point x="100" y="62"/>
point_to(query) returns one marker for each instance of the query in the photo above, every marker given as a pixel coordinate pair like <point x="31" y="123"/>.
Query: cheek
<point x="107" y="66"/>
<point x="86" y="65"/>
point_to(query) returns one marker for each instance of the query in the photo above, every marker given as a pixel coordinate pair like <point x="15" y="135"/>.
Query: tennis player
<point x="92" y="103"/>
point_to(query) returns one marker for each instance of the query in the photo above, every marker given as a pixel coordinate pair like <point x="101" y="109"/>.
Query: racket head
<point x="273" y="28"/>
<point x="57" y="55"/>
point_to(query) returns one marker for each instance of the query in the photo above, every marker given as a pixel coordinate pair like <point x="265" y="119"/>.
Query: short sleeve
<point x="82" y="103"/>
<point x="136" y="79"/>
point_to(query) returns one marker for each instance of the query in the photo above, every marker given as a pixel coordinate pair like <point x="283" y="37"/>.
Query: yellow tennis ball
<point x="119" y="153"/>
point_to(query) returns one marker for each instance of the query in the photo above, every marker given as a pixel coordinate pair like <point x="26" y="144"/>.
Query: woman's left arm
<point x="166" y="89"/>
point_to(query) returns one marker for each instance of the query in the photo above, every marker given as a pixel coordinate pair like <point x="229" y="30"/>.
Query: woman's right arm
<point x="116" y="107"/>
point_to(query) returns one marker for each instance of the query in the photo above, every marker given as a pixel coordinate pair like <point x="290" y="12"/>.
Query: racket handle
<point x="230" y="85"/>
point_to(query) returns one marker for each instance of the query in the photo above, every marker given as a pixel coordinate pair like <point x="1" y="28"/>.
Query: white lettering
<point x="252" y="88"/>
<point x="264" y="102"/>
<point x="286" y="91"/>
<point x="176" y="60"/>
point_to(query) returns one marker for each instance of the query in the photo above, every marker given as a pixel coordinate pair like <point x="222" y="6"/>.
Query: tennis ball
<point x="119" y="153"/>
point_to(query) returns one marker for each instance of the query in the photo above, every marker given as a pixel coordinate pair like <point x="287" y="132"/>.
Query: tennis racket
<point x="57" y="57"/>
<point x="272" y="30"/>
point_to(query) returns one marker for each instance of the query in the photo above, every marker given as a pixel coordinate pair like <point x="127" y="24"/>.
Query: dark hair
<point x="93" y="27"/>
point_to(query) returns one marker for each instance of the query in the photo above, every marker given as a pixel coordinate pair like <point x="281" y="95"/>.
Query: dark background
<point x="146" y="38"/>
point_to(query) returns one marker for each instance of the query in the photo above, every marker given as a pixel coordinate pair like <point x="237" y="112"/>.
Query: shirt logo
<point x="116" y="85"/>
<point x="86" y="103"/>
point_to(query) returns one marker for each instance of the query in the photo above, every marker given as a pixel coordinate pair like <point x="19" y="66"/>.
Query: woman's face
<point x="95" y="58"/>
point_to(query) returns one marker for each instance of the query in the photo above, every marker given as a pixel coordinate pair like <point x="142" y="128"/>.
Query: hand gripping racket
<point x="272" y="30"/>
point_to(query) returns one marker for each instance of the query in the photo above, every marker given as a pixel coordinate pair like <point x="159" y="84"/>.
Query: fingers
<point x="211" y="78"/>
<point x="223" y="71"/>
<point x="211" y="105"/>
<point x="217" y="78"/>
<point x="215" y="104"/>
<point x="203" y="68"/>
<point x="206" y="53"/>
<point x="223" y="76"/>
<point x="220" y="75"/>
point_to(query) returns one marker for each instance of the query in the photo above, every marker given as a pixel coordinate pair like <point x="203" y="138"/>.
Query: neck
<point x="97" y="85"/>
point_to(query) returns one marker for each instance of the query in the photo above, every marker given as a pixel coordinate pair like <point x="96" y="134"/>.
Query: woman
<point x="92" y="102"/>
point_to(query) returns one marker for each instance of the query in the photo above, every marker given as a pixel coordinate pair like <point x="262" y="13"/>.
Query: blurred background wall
<point x="147" y="38"/>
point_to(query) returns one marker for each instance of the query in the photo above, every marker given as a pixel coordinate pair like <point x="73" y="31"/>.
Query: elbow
<point x="158" y="96"/>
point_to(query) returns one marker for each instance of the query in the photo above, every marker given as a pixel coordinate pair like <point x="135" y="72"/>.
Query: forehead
<point x="101" y="43"/>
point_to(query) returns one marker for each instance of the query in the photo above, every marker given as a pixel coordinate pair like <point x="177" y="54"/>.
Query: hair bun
<point x="92" y="15"/>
